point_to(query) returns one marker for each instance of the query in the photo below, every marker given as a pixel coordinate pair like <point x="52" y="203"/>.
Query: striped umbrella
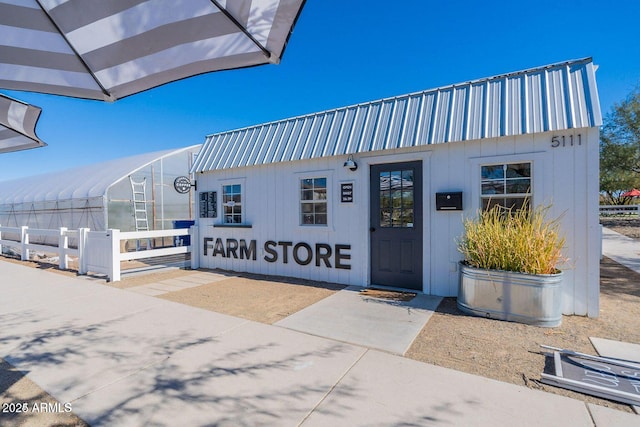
<point x="17" y="125"/>
<point x="106" y="50"/>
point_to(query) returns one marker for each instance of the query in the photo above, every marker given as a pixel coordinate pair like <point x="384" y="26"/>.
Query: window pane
<point x="385" y="217"/>
<point x="407" y="178"/>
<point x="396" y="197"/>
<point x="385" y="180"/>
<point x="407" y="199"/>
<point x="307" y="208"/>
<point x="407" y="218"/>
<point x="385" y="199"/>
<point x="320" y="208"/>
<point x="307" y="219"/>
<point x="307" y="194"/>
<point x="518" y="186"/>
<point x="492" y="172"/>
<point x="516" y="203"/>
<point x="320" y="194"/>
<point x="492" y="187"/>
<point x="320" y="182"/>
<point x="396" y="218"/>
<point x="396" y="180"/>
<point x="237" y="198"/>
<point x="321" y="219"/>
<point x="489" y="203"/>
<point x="517" y="170"/>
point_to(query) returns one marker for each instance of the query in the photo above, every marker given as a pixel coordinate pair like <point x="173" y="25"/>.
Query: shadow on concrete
<point x="220" y="391"/>
<point x="616" y="279"/>
<point x="162" y="378"/>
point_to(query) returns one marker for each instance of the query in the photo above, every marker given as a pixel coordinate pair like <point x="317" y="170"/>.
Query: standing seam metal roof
<point x="550" y="98"/>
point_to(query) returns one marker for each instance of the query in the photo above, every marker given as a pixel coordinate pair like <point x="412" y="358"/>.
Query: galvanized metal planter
<point x="505" y="295"/>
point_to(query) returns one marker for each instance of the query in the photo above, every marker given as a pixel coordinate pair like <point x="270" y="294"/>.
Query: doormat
<point x="390" y="295"/>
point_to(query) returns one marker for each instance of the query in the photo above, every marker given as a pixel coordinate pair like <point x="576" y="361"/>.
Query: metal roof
<point x="549" y="98"/>
<point x="78" y="183"/>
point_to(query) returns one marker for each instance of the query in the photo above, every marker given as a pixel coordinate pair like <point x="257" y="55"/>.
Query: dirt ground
<point x="627" y="225"/>
<point x="511" y="352"/>
<point x="503" y="351"/>
<point x="255" y="298"/>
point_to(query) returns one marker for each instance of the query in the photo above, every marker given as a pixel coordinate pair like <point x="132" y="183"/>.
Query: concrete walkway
<point x="354" y="318"/>
<point x="171" y="285"/>
<point x="127" y="359"/>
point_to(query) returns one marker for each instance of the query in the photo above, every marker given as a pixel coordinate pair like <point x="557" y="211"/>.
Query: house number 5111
<point x="566" y="141"/>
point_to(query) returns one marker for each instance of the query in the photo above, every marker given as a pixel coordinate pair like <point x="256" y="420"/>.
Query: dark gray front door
<point x="396" y="225"/>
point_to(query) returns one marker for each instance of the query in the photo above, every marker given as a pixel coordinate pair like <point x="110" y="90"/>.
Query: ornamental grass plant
<point x="520" y="240"/>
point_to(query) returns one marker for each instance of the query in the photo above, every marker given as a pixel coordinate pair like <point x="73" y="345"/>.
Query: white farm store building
<point x="286" y="198"/>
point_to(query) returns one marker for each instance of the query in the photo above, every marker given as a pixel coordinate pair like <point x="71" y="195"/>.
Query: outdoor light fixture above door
<point x="350" y="163"/>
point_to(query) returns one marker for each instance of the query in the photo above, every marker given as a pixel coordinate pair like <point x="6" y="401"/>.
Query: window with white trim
<point x="232" y="204"/>
<point x="507" y="185"/>
<point x="313" y="201"/>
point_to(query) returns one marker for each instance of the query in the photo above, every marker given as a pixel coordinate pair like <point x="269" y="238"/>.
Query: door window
<point x="396" y="198"/>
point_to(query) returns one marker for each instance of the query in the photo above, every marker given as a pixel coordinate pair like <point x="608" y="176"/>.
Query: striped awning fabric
<point x="107" y="50"/>
<point x="17" y="125"/>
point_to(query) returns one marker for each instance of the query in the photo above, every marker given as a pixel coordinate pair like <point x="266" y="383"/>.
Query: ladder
<point x="139" y="204"/>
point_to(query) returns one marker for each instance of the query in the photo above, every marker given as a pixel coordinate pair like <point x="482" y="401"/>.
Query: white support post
<point x="0" y="239"/>
<point x="63" y="245"/>
<point x="195" y="247"/>
<point x="82" y="255"/>
<point x="24" y="241"/>
<point x="114" y="255"/>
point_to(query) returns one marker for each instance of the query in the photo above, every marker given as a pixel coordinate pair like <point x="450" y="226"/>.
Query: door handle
<point x="372" y="229"/>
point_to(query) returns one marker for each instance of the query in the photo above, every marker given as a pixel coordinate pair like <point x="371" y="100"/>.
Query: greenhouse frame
<point x="101" y="196"/>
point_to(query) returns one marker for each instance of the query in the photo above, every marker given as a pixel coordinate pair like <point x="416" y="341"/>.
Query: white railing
<point x="117" y="236"/>
<point x="98" y="251"/>
<point x="24" y="235"/>
<point x="619" y="209"/>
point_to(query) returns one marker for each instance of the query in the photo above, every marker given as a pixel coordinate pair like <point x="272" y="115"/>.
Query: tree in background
<point x="620" y="150"/>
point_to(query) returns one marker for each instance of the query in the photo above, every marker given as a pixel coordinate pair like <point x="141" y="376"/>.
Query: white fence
<point x="619" y="209"/>
<point x="98" y="251"/>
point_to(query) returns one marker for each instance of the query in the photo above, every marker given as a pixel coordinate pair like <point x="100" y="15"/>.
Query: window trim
<point x="243" y="203"/>
<point x="504" y="196"/>
<point x="328" y="181"/>
<point x="538" y="179"/>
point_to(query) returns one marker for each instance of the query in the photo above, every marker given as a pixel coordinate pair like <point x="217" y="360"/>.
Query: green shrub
<point x="513" y="240"/>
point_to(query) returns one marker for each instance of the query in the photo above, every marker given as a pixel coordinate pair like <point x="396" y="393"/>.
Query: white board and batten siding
<point x="270" y="198"/>
<point x="272" y="204"/>
<point x="548" y="116"/>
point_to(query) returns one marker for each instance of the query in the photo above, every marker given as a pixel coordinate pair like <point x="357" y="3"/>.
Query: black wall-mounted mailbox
<point x="449" y="201"/>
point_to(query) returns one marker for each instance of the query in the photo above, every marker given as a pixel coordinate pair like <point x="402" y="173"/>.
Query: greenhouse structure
<point x="130" y="194"/>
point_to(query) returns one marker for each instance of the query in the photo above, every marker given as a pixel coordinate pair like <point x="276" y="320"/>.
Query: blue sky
<point x="341" y="53"/>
